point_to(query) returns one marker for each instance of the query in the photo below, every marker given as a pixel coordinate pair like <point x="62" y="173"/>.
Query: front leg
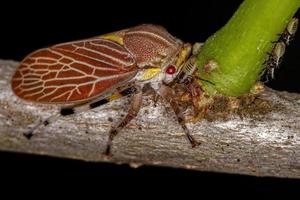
<point x="195" y="91"/>
<point x="136" y="103"/>
<point x="168" y="94"/>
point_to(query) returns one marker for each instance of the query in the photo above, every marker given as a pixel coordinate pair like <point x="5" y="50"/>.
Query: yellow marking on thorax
<point x="150" y="73"/>
<point x="114" y="37"/>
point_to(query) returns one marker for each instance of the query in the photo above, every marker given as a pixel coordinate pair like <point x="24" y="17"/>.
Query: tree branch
<point x="263" y="145"/>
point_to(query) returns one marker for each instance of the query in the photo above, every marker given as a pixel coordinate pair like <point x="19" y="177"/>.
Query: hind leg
<point x="78" y="108"/>
<point x="132" y="113"/>
<point x="62" y="113"/>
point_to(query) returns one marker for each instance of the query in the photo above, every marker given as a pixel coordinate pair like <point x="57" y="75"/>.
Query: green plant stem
<point x="232" y="59"/>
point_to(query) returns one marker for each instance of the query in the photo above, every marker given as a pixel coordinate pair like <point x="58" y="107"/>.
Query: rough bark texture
<point x="268" y="145"/>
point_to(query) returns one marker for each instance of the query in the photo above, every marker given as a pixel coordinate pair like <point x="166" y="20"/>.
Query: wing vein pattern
<point x="73" y="72"/>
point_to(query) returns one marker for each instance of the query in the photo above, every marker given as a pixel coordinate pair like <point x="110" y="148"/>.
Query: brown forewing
<point x="73" y="72"/>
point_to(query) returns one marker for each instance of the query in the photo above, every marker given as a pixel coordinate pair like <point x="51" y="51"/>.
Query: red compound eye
<point x="171" y="69"/>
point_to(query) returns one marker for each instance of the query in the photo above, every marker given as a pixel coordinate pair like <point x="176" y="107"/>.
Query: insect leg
<point x="46" y="122"/>
<point x="132" y="113"/>
<point x="167" y="93"/>
<point x="196" y="91"/>
<point x="78" y="108"/>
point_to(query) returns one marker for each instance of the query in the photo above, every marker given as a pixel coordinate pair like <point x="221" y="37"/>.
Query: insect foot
<point x="28" y="135"/>
<point x="111" y="136"/>
<point x="193" y="142"/>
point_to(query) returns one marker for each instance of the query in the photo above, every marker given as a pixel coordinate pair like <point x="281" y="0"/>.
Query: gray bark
<point x="262" y="146"/>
